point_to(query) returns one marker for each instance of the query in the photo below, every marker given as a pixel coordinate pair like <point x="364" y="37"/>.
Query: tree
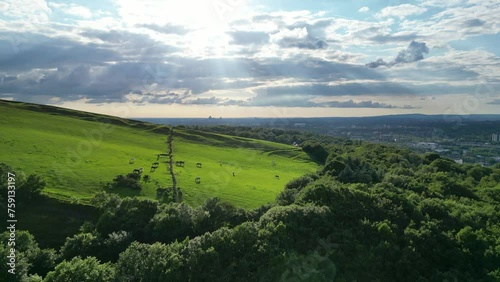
<point x="30" y="259"/>
<point x="83" y="245"/>
<point x="132" y="215"/>
<point x="174" y="221"/>
<point x="33" y="186"/>
<point x="82" y="270"/>
<point x="27" y="187"/>
<point x="156" y="262"/>
<point x="316" y="150"/>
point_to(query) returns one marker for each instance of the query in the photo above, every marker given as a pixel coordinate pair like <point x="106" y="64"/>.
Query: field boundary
<point x="171" y="165"/>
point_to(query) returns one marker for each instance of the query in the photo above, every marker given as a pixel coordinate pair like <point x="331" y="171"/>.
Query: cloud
<point x="298" y="38"/>
<point x="249" y="37"/>
<point x="45" y="53"/>
<point x="265" y="18"/>
<point x="401" y="11"/>
<point x="32" y="12"/>
<point x="414" y="52"/>
<point x="282" y="59"/>
<point x="72" y="9"/>
<point x="305" y="101"/>
<point x="474" y="23"/>
<point x="302" y="44"/>
<point x="389" y="38"/>
<point x="166" y="29"/>
<point x="364" y="9"/>
<point x="364" y="104"/>
<point x="440" y="3"/>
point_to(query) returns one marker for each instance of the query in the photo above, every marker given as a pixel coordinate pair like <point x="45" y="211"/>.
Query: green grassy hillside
<point x="255" y="164"/>
<point x="76" y="152"/>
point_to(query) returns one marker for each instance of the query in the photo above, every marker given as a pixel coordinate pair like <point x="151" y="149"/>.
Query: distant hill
<point x="399" y="119"/>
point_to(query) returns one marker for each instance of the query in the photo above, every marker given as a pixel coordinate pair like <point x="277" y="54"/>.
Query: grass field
<point x="76" y="152"/>
<point x="75" y="155"/>
<point x="255" y="164"/>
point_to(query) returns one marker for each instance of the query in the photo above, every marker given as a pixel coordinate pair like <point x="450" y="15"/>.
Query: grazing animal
<point x="154" y="166"/>
<point x="277" y="176"/>
<point x="197" y="180"/>
<point x="198" y="165"/>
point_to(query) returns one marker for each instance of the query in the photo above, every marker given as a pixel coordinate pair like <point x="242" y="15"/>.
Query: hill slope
<point x="77" y="151"/>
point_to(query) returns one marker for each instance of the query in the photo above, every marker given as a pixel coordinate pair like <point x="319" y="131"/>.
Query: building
<point x="386" y="137"/>
<point x="495" y="137"/>
<point x="427" y="145"/>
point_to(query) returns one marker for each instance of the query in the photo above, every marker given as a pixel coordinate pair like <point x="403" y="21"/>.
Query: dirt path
<point x="171" y="164"/>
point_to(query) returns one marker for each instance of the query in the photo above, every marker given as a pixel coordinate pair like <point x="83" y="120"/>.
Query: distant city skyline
<point x="253" y="58"/>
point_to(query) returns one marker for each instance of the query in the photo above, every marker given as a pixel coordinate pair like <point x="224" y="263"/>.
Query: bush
<point x="130" y="181"/>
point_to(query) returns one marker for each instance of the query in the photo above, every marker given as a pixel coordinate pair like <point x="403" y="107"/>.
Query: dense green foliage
<point x="370" y="213"/>
<point x="279" y="135"/>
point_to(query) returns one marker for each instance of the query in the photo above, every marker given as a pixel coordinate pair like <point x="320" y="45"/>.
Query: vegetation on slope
<point x="372" y="213"/>
<point x="79" y="153"/>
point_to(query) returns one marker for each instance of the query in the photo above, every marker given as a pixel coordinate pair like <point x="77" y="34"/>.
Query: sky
<point x="253" y="58"/>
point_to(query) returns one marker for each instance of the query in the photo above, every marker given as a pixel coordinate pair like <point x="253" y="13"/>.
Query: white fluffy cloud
<point x="29" y="11"/>
<point x="364" y="9"/>
<point x="72" y="9"/>
<point x="401" y="11"/>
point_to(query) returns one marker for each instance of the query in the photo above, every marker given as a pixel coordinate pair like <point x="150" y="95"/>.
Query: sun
<point x="206" y="21"/>
<point x="212" y="15"/>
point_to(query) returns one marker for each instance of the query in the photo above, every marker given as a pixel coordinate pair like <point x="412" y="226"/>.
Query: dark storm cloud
<point x="249" y="37"/>
<point x="414" y="52"/>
